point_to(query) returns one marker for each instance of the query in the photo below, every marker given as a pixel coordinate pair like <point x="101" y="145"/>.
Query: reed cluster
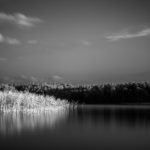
<point x="25" y="101"/>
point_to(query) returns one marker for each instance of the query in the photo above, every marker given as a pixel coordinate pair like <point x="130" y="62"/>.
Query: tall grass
<point x="25" y="101"/>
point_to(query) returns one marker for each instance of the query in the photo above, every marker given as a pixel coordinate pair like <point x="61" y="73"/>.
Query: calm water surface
<point x="86" y="127"/>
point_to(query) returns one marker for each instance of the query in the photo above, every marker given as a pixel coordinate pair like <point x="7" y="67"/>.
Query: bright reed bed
<point x="25" y="101"/>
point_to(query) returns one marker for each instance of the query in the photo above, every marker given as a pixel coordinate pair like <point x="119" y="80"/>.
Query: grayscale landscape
<point x="74" y="74"/>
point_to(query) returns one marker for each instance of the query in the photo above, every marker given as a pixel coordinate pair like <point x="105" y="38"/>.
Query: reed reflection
<point x="12" y="122"/>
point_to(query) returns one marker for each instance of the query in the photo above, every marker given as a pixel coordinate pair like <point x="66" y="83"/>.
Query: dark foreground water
<point x="86" y="127"/>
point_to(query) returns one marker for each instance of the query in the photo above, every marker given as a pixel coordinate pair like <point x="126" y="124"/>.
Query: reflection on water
<point x="122" y="116"/>
<point x="129" y="117"/>
<point x="85" y="127"/>
<point x="11" y="122"/>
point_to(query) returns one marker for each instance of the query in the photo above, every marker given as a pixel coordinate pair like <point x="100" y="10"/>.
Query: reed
<point x="25" y="101"/>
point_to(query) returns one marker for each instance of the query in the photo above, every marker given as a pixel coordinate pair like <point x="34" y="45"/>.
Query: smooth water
<point x="85" y="127"/>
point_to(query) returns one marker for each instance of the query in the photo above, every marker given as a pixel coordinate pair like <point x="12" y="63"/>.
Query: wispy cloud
<point x="23" y="77"/>
<point x="20" y="58"/>
<point x="56" y="77"/>
<point x="32" y="42"/>
<point x="12" y="41"/>
<point x="3" y="59"/>
<point x="9" y="40"/>
<point x="127" y="35"/>
<point x="19" y="19"/>
<point x="1" y="38"/>
<point x="86" y="42"/>
<point x="31" y="78"/>
<point x="34" y="79"/>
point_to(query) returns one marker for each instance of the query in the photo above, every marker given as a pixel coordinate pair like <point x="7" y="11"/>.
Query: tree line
<point x="128" y="93"/>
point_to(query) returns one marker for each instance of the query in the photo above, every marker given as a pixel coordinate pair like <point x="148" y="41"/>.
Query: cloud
<point x="32" y="42"/>
<point x="3" y="59"/>
<point x="86" y="43"/>
<point x="34" y="79"/>
<point x="19" y="19"/>
<point x="12" y="41"/>
<point x="1" y="38"/>
<point x="24" y="77"/>
<point x="9" y="40"/>
<point x="56" y="77"/>
<point x="30" y="78"/>
<point x="21" y="58"/>
<point x="127" y="35"/>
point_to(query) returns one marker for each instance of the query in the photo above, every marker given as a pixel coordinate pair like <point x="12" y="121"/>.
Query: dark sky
<point x="82" y="41"/>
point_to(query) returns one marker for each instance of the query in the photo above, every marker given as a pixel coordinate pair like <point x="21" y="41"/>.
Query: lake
<point x="84" y="127"/>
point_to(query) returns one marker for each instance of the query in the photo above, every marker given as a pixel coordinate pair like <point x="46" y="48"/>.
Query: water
<point x="86" y="127"/>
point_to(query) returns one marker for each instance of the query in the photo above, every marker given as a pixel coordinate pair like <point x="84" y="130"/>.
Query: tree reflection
<point x="118" y="116"/>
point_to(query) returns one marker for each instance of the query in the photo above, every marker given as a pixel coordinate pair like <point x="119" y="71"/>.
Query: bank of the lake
<point x="117" y="94"/>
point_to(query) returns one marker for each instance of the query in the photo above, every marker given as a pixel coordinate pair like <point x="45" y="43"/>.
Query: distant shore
<point x="107" y="94"/>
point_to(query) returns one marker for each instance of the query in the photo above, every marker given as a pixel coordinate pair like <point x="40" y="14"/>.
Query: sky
<point x="78" y="41"/>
